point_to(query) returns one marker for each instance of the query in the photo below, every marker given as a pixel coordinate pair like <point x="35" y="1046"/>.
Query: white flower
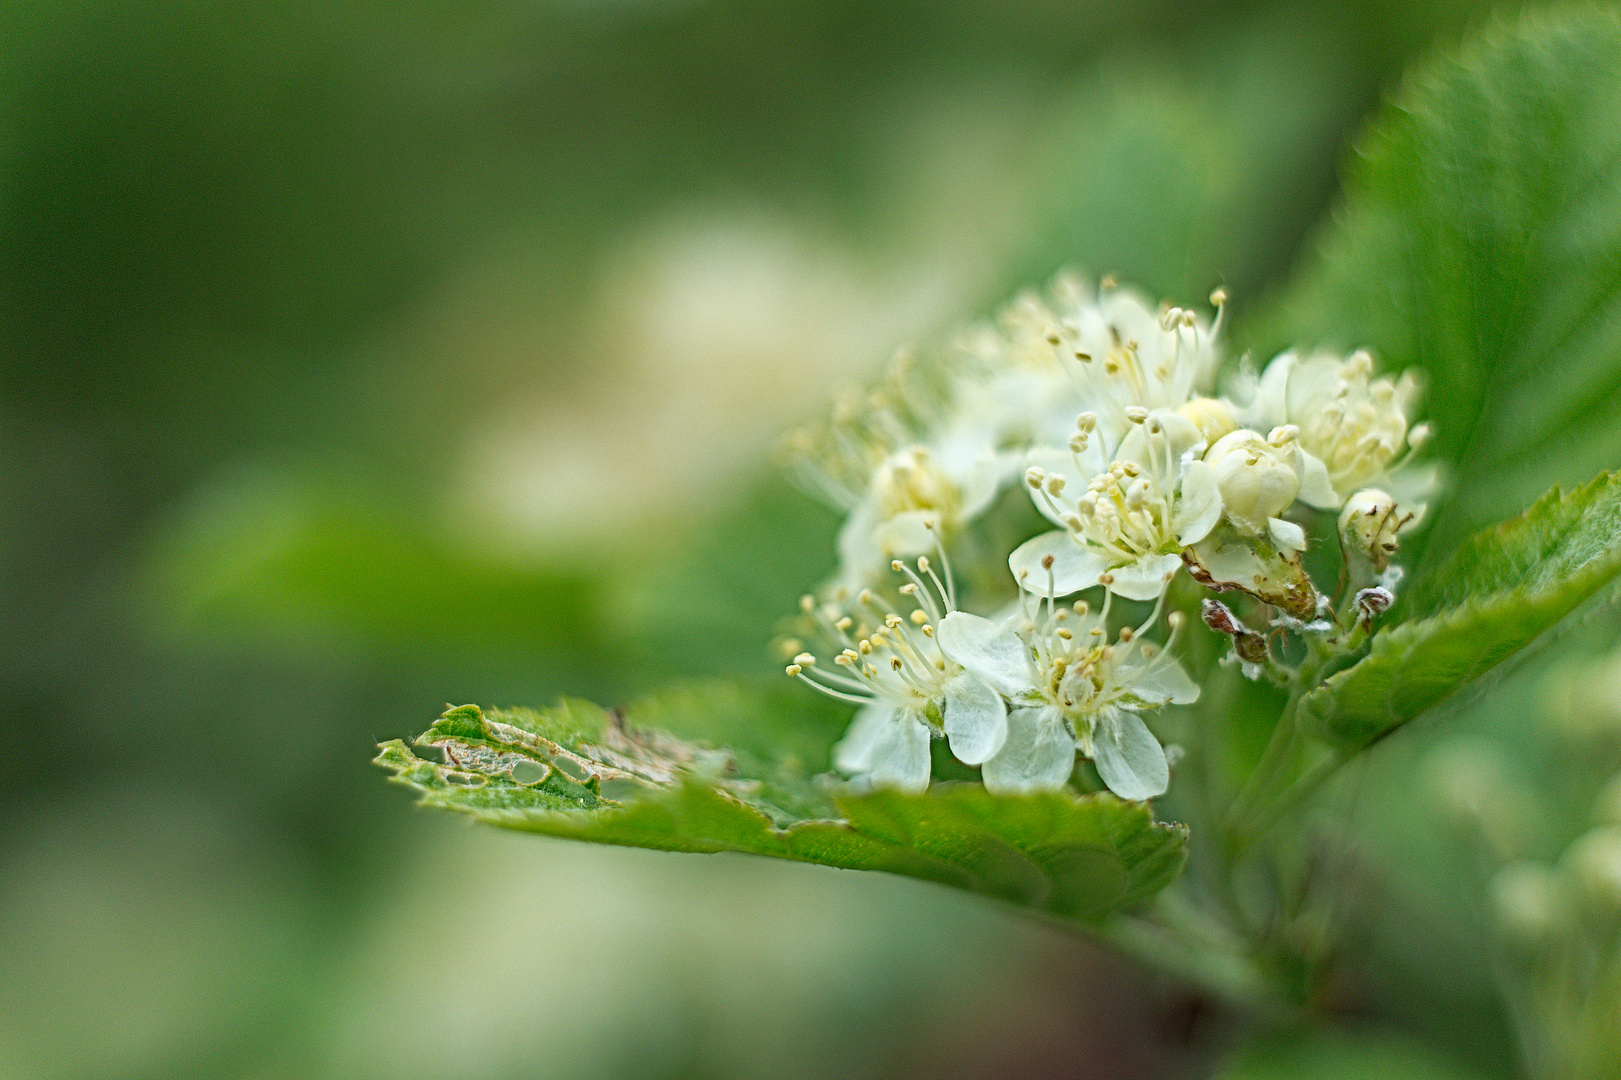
<point x="1128" y="356"/>
<point x="1142" y="504"/>
<point x="1070" y="689"/>
<point x="1259" y="479"/>
<point x="908" y="689"/>
<point x="1354" y="427"/>
<point x="1012" y="390"/>
<point x="913" y="496"/>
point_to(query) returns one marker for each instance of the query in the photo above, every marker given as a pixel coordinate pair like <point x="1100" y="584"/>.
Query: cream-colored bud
<point x="1257" y="479"/>
<point x="1212" y="416"/>
<point x="1368" y="527"/>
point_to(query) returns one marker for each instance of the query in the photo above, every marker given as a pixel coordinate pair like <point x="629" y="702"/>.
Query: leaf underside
<point x="1500" y="590"/>
<point x="585" y="773"/>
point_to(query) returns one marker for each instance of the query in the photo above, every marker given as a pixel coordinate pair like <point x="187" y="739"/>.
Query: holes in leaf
<point x="528" y="772"/>
<point x="621" y="790"/>
<point x="572" y="768"/>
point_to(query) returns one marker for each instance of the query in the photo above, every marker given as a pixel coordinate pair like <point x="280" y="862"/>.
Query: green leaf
<point x="1480" y="242"/>
<point x="1501" y="589"/>
<point x="586" y="773"/>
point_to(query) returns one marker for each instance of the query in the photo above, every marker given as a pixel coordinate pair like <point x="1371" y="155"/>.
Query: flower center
<point x="911" y="481"/>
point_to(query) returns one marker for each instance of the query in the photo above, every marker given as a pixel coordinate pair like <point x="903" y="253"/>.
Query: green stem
<point x="1181" y="940"/>
<point x="1294" y="794"/>
<point x="1271" y="760"/>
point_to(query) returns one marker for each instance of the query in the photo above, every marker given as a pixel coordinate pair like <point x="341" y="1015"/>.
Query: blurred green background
<point x="361" y="358"/>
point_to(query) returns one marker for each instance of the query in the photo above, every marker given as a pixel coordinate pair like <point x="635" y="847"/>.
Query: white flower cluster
<point x="1106" y="410"/>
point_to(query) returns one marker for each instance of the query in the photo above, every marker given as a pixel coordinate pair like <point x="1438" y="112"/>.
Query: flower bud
<point x="1212" y="416"/>
<point x="1258" y="479"/>
<point x="1368" y="525"/>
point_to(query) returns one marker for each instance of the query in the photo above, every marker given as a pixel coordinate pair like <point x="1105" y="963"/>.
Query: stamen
<point x="828" y="690"/>
<point x="945" y="565"/>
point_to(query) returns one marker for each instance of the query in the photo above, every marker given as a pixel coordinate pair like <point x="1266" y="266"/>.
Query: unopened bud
<point x="1212" y="416"/>
<point x="1258" y="479"/>
<point x="1368" y="527"/>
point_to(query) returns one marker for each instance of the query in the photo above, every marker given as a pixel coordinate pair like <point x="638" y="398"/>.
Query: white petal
<point x="907" y="534"/>
<point x="989" y="650"/>
<point x="1074" y="567"/>
<point x="1200" y="506"/>
<point x="900" y="758"/>
<point x="1039" y="753"/>
<point x="1316" y="490"/>
<point x="1286" y="535"/>
<point x="1271" y="405"/>
<point x="1412" y="488"/>
<point x="975" y="719"/>
<point x="1161" y="681"/>
<point x="1311" y="384"/>
<point x="1129" y="758"/>
<point x="1180" y="433"/>
<point x="861" y="560"/>
<point x="1144" y="579"/>
<point x="853" y="753"/>
<point x="1232" y="563"/>
<point x="982" y="481"/>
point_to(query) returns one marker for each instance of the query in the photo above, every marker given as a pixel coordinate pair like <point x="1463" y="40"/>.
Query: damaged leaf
<point x="585" y="773"/>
